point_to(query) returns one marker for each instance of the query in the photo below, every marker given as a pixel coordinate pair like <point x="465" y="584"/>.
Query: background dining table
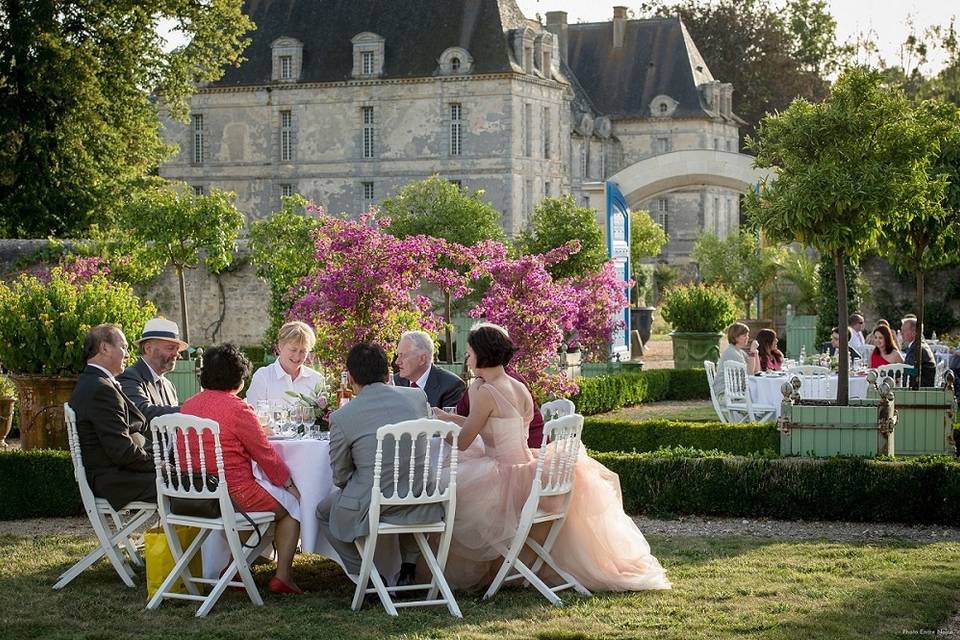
<point x="765" y="388"/>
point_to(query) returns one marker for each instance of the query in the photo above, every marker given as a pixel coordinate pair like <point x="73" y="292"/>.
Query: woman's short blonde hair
<point x="297" y="332"/>
<point x="736" y="330"/>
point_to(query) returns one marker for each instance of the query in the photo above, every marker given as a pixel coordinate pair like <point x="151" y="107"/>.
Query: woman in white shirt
<point x="737" y="335"/>
<point x="288" y="372"/>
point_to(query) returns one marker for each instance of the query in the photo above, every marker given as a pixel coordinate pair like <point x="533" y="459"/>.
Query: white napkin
<point x="284" y="497"/>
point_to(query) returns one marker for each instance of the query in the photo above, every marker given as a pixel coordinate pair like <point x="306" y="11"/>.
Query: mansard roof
<point x="416" y="33"/>
<point x="658" y="57"/>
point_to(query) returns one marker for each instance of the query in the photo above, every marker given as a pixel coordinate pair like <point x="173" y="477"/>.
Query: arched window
<point x="455" y="60"/>
<point x="454" y="64"/>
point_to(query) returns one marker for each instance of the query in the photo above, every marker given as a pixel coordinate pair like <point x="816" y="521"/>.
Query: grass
<point x="684" y="411"/>
<point x="723" y="588"/>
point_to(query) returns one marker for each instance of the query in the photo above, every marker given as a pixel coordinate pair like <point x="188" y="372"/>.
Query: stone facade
<point x="505" y="110"/>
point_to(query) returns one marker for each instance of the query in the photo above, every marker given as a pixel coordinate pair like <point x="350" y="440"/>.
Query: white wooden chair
<point x="736" y="396"/>
<point x="110" y="538"/>
<point x="810" y="370"/>
<point x="940" y="373"/>
<point x="711" y="369"/>
<point x="431" y="456"/>
<point x="554" y="477"/>
<point x="174" y="481"/>
<point x="557" y="408"/>
<point x="897" y="374"/>
<point x="815" y="386"/>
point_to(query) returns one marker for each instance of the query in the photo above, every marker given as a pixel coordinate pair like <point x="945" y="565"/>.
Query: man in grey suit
<point x="415" y="361"/>
<point x="344" y="516"/>
<point x="143" y="381"/>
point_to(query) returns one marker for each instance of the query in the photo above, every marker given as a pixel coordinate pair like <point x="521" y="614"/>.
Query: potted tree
<point x="647" y="239"/>
<point x="698" y="315"/>
<point x="43" y="322"/>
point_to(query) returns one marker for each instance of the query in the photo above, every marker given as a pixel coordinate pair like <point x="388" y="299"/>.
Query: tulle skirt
<point x="599" y="544"/>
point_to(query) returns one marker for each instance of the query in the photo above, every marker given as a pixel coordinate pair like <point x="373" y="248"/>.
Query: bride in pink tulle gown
<point x="599" y="544"/>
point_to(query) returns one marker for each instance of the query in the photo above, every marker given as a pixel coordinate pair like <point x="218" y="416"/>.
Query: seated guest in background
<point x="343" y="516"/>
<point x="737" y="336"/>
<point x="771" y="358"/>
<point x="143" y="381"/>
<point x="887" y="351"/>
<point x="224" y="373"/>
<point x="288" y="372"/>
<point x="109" y="426"/>
<point x="415" y="361"/>
<point x="535" y="432"/>
<point x="833" y="347"/>
<point x="928" y="367"/>
<point x="856" y="332"/>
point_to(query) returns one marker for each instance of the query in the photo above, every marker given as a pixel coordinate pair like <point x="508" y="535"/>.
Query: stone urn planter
<point x="691" y="349"/>
<point x="41" y="410"/>
<point x="821" y="429"/>
<point x="6" y="419"/>
<point x="641" y="321"/>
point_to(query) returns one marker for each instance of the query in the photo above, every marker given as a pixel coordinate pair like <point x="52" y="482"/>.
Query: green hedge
<point x="600" y="434"/>
<point x="605" y="393"/>
<point x="857" y="489"/>
<point x="37" y="483"/>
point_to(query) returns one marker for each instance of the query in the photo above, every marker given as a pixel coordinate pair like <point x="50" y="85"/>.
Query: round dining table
<point x="765" y="388"/>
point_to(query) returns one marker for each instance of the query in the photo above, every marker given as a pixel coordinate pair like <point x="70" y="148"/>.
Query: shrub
<point x="699" y="309"/>
<point x="37" y="484"/>
<point x="857" y="489"/>
<point x="606" y="393"/>
<point x="601" y="434"/>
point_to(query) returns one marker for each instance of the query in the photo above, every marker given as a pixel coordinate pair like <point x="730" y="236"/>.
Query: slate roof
<point x="416" y="32"/>
<point x="657" y="57"/>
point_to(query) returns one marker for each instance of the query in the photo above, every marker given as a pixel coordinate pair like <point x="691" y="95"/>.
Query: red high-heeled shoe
<point x="279" y="586"/>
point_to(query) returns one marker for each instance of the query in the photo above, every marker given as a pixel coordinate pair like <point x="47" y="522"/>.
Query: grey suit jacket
<point x="138" y="385"/>
<point x="353" y="447"/>
<point x="443" y="389"/>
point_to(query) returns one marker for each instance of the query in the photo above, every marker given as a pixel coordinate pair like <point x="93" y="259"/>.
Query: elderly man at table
<point x="928" y="367"/>
<point x="144" y="382"/>
<point x="109" y="426"/>
<point x="353" y="447"/>
<point x="415" y="361"/>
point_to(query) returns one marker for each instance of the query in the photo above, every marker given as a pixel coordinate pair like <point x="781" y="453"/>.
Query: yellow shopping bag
<point x="160" y="561"/>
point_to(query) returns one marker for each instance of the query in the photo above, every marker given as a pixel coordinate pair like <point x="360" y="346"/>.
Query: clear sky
<point x="884" y="20"/>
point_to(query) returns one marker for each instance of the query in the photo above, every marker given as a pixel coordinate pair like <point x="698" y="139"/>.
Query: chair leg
<point x="79" y="568"/>
<point x="178" y="567"/>
<point x="127" y="542"/>
<point x="439" y="581"/>
<point x="543" y="556"/>
<point x="510" y="558"/>
<point x="109" y="545"/>
<point x="173" y="543"/>
<point x="537" y="583"/>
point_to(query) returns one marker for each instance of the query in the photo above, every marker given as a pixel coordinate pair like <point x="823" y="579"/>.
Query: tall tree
<point x="557" y="221"/>
<point x="846" y="166"/>
<point x="79" y="128"/>
<point x="771" y="55"/>
<point x="739" y="263"/>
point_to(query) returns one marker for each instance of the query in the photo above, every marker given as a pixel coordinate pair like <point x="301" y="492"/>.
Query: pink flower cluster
<point x="76" y="269"/>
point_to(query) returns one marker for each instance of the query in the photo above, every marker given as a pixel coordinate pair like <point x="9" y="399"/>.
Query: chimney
<point x="619" y="26"/>
<point x="557" y="25"/>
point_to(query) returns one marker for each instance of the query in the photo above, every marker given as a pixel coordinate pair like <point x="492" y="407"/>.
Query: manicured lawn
<point x="723" y="588"/>
<point x="684" y="411"/>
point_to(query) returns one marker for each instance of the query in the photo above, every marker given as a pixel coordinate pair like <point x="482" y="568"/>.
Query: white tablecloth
<point x="309" y="463"/>
<point x="766" y="389"/>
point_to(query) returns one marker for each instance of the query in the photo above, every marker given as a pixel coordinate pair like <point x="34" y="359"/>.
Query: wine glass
<point x="263" y="415"/>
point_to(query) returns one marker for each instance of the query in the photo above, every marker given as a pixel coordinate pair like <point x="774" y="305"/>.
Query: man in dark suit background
<point x="928" y="367"/>
<point x="415" y="361"/>
<point x="109" y="426"/>
<point x="143" y="381"/>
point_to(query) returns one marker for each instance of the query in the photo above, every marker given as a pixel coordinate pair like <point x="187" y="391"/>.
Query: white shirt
<point x="271" y="383"/>
<point x="109" y="375"/>
<point x="856" y="339"/>
<point x="422" y="380"/>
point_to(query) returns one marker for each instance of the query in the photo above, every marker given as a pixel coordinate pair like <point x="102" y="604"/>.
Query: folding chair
<point x="431" y="469"/>
<point x="109" y="538"/>
<point x="553" y="477"/>
<point x="897" y="373"/>
<point x="557" y="408"/>
<point x="177" y="444"/>
<point x="711" y="369"/>
<point x="736" y="394"/>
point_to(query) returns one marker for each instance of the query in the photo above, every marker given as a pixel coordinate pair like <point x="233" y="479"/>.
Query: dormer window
<point x="543" y="53"/>
<point x="662" y="106"/>
<point x="523" y="44"/>
<point x="368" y="53"/>
<point x="287" y="59"/>
<point x="455" y="60"/>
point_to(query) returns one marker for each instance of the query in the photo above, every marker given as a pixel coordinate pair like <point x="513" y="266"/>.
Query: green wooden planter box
<point x="184" y="378"/>
<point x="801" y="330"/>
<point x="691" y="349"/>
<point x="924" y="420"/>
<point x="819" y="429"/>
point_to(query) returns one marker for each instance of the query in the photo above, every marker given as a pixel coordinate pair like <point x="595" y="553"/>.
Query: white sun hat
<point x="162" y="329"/>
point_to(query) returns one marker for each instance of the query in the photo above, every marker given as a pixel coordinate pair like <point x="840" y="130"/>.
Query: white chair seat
<point x="546" y="516"/>
<point x="429" y="527"/>
<point x="112" y="530"/>
<point x="258" y="517"/>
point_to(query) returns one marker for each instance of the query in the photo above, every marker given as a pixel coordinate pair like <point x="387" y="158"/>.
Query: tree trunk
<point x="183" y="306"/>
<point x="843" y="321"/>
<point x="916" y="347"/>
<point x="448" y="311"/>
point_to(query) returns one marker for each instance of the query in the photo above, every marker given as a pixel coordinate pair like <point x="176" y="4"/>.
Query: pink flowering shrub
<point x="600" y="298"/>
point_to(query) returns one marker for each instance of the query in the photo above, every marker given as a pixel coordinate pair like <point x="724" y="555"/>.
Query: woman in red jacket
<point x="242" y="441"/>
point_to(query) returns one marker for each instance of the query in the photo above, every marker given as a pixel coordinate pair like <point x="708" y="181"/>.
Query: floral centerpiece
<point x="43" y="322"/>
<point x="319" y="401"/>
